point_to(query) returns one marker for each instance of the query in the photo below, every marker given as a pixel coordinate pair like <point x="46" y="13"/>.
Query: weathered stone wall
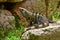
<point x="7" y="21"/>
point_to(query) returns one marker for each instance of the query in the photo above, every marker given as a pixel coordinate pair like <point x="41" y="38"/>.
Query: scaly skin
<point x="27" y="14"/>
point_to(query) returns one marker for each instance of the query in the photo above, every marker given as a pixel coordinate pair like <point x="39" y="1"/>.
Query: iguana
<point x="41" y="19"/>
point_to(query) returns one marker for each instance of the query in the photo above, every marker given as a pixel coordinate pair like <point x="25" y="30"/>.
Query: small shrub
<point x="15" y="34"/>
<point x="56" y="16"/>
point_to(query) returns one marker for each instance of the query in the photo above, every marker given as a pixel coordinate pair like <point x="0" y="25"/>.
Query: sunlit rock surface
<point x="7" y="21"/>
<point x="52" y="32"/>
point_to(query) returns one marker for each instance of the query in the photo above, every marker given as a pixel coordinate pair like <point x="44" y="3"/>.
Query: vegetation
<point x="12" y="34"/>
<point x="56" y="16"/>
<point x="15" y="34"/>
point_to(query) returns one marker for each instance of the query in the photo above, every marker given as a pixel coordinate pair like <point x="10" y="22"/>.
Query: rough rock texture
<point x="51" y="32"/>
<point x="7" y="21"/>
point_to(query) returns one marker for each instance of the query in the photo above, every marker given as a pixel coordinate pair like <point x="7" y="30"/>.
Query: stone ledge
<point x="50" y="30"/>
